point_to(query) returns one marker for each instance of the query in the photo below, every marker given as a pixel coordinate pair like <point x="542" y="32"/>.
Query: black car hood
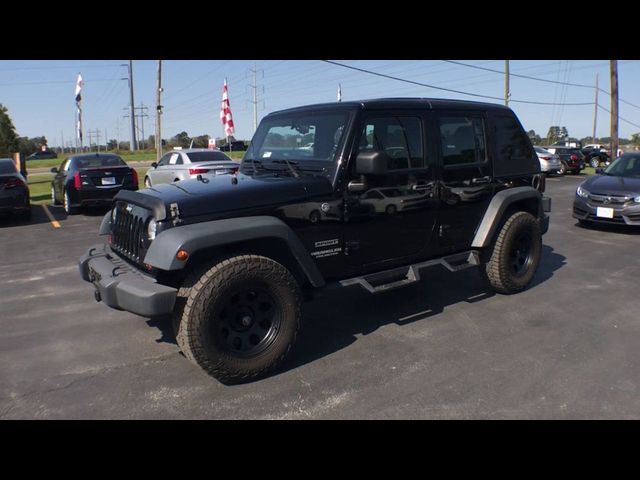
<point x="607" y="184"/>
<point x="222" y="194"/>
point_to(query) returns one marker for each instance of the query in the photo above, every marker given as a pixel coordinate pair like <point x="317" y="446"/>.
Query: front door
<point x="394" y="217"/>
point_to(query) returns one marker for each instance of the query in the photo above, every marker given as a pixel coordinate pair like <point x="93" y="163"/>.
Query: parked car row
<point x="560" y="160"/>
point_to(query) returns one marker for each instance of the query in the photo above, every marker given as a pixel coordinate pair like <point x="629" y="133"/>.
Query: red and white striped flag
<point x="225" y="111"/>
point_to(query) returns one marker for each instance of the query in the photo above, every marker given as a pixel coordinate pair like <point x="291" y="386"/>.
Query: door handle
<point x="481" y="180"/>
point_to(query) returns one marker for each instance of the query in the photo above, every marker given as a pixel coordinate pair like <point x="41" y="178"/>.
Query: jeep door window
<point x="514" y="152"/>
<point x="310" y="141"/>
<point x="462" y="140"/>
<point x="399" y="137"/>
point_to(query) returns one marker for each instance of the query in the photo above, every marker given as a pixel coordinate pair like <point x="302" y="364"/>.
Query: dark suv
<point x="231" y="258"/>
<point x="571" y="158"/>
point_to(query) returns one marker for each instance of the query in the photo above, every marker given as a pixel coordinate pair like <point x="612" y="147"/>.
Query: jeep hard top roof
<point x="404" y="103"/>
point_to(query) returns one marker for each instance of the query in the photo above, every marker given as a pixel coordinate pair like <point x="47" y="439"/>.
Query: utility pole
<point x="141" y="116"/>
<point x="106" y="140"/>
<point x="614" y="107"/>
<point x="507" y="94"/>
<point x="255" y="100"/>
<point x="159" y="114"/>
<point x="595" y="112"/>
<point x="133" y="146"/>
<point x="117" y="133"/>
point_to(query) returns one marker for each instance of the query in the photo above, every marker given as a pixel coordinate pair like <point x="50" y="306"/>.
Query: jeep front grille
<point x="127" y="235"/>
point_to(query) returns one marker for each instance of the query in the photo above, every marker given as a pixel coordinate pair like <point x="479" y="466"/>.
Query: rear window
<point x="97" y="162"/>
<point x="514" y="154"/>
<point x="7" y="167"/>
<point x="212" y="156"/>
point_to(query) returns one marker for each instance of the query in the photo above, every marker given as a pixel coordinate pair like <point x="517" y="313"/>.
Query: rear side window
<point x="514" y="153"/>
<point x="212" y="156"/>
<point x="7" y="167"/>
<point x="462" y="140"/>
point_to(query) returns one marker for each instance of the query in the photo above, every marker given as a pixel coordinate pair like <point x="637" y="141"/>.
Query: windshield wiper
<point x="290" y="164"/>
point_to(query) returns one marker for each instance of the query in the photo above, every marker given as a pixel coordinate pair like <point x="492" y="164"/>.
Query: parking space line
<point x="53" y="221"/>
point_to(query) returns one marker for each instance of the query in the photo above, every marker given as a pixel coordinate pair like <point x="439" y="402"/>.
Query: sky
<point x="39" y="94"/>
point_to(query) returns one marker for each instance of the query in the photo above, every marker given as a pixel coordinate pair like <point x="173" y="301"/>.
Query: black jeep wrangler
<point x="345" y="194"/>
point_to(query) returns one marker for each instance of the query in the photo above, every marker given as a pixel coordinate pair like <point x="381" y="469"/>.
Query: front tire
<point x="147" y="182"/>
<point x="515" y="254"/>
<point x="238" y="319"/>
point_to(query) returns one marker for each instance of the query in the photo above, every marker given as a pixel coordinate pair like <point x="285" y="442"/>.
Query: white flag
<point x="79" y="85"/>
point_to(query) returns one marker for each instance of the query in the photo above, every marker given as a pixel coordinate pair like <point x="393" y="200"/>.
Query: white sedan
<point x="189" y="163"/>
<point x="549" y="162"/>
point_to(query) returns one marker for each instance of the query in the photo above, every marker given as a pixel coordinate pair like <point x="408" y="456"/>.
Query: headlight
<point x="151" y="229"/>
<point x="581" y="192"/>
<point x="637" y="199"/>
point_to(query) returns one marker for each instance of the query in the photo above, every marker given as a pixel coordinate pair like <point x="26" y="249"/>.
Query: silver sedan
<point x="549" y="162"/>
<point x="189" y="163"/>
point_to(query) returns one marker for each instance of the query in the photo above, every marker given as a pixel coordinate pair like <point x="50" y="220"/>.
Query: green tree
<point x="201" y="141"/>
<point x="635" y="138"/>
<point x="534" y="137"/>
<point x="8" y="136"/>
<point x="180" y="140"/>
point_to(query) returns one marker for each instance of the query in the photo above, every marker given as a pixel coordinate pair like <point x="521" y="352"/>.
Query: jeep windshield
<point x="305" y="142"/>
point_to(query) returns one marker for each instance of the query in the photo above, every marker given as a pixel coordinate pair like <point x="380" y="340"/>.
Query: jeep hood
<point x="222" y="194"/>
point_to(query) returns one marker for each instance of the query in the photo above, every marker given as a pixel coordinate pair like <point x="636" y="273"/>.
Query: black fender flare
<point x="198" y="236"/>
<point x="496" y="209"/>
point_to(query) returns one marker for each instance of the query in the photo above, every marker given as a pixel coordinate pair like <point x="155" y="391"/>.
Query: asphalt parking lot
<point x="446" y="348"/>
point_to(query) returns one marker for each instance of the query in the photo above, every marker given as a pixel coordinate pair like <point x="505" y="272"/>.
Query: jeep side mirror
<point x="599" y="171"/>
<point x="372" y="163"/>
<point x="154" y="164"/>
<point x="54" y="170"/>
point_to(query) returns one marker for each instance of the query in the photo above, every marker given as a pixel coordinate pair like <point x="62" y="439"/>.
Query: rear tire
<point x="515" y="254"/>
<point x="239" y="318"/>
<point x="594" y="162"/>
<point x="563" y="168"/>
<point x="68" y="208"/>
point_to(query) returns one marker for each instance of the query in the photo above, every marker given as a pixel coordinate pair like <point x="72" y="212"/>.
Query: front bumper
<point x="124" y="287"/>
<point x="622" y="215"/>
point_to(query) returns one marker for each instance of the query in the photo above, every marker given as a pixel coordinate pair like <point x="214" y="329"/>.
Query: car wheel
<point x="594" y="162"/>
<point x="147" y="182"/>
<point x="563" y="168"/>
<point x="515" y="254"/>
<point x="54" y="200"/>
<point x="391" y="209"/>
<point x="239" y="318"/>
<point x="68" y="208"/>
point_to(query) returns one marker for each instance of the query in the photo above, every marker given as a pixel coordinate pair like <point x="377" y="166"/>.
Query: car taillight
<point x="135" y="176"/>
<point x="574" y="157"/>
<point x="76" y="180"/>
<point x="545" y="158"/>
<point x="197" y="171"/>
<point x="13" y="183"/>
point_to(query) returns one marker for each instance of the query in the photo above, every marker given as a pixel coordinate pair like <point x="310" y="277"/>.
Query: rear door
<point x="466" y="177"/>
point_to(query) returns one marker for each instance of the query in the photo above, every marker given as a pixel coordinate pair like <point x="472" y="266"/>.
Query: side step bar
<point x="399" y="277"/>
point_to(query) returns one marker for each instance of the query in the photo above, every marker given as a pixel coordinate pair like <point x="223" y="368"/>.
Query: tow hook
<point x="97" y="296"/>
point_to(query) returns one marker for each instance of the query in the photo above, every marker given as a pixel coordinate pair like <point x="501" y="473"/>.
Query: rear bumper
<point x="123" y="287"/>
<point x="99" y="196"/>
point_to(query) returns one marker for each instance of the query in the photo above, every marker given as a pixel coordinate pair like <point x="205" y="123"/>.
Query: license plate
<point x="604" y="212"/>
<point x="108" y="181"/>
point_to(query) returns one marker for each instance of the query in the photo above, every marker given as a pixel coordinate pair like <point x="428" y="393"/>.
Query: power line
<point x="517" y="74"/>
<point x="447" y="89"/>
<point x="623" y="119"/>
<point x="537" y="79"/>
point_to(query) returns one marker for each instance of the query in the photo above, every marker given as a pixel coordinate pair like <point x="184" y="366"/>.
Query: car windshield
<point x="308" y="141"/>
<point x="99" y="161"/>
<point x="624" y="167"/>
<point x="211" y="156"/>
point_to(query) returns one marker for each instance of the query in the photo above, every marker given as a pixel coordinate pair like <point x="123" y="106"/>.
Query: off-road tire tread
<point x="191" y="301"/>
<point x="496" y="271"/>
